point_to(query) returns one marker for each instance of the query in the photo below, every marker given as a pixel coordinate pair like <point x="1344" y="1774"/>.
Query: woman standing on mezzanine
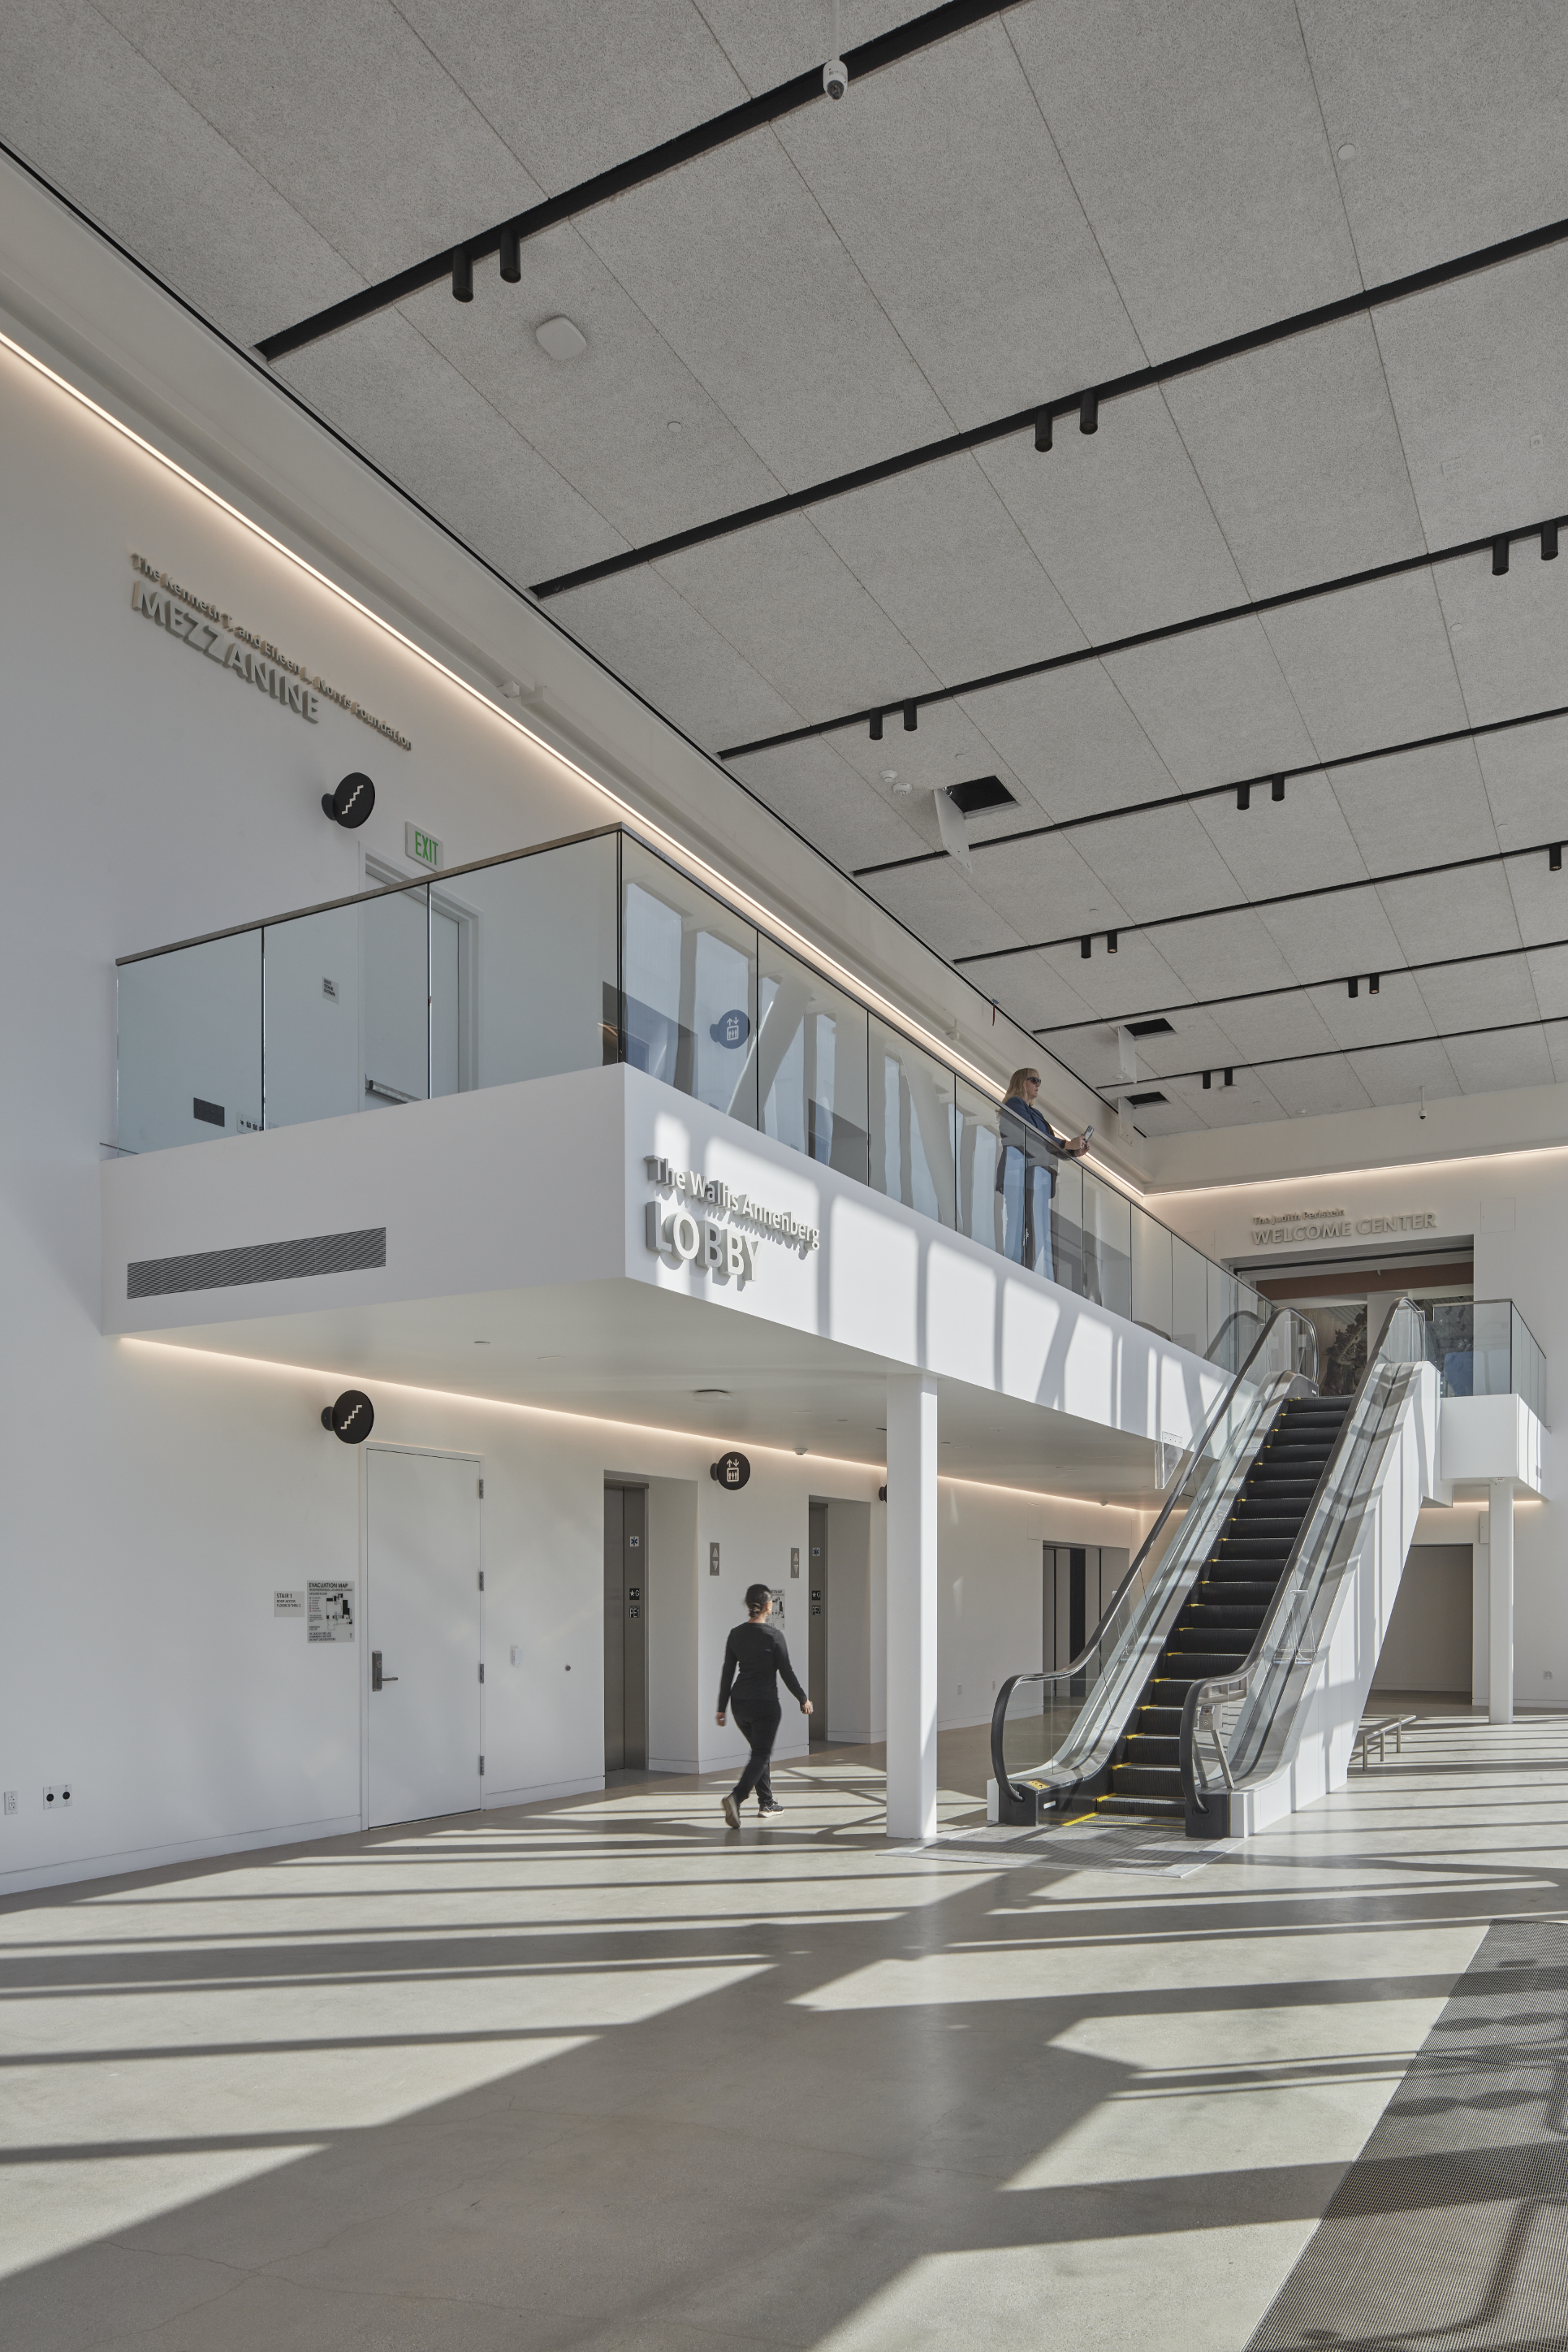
<point x="1026" y="1183"/>
<point x="755" y="1656"/>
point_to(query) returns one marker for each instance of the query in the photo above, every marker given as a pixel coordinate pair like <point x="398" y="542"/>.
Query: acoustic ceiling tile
<point x="1397" y="1074"/>
<point x="1556" y="1033"/>
<point x="1450" y="914"/>
<point x="1035" y="991"/>
<point x="1468" y="995"/>
<point x="1370" y="665"/>
<point x="1251" y="1099"/>
<point x="1160" y="862"/>
<point x="1524" y="771"/>
<point x="1300" y="843"/>
<point x="1263" y="1027"/>
<point x="1548" y="970"/>
<point x="1484" y="1065"/>
<point x="1328" y="938"/>
<point x="1112" y="987"/>
<point x="646" y="632"/>
<point x="1539" y="902"/>
<point x="1508" y="634"/>
<point x="815" y="790"/>
<point x="1222" y="955"/>
<point x="1399" y="1010"/>
<point x="1297" y="448"/>
<point x="1312" y="1089"/>
<point x="1046" y="890"/>
<point x="1194" y="139"/>
<point x="1417" y="808"/>
<point x="1214" y="703"/>
<point x="940" y="905"/>
<point x="1072" y="741"/>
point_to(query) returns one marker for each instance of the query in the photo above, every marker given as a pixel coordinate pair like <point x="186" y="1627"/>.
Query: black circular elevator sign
<point x="731" y="1470"/>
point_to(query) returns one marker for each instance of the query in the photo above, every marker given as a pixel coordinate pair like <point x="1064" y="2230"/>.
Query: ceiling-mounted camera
<point x="352" y="801"/>
<point x="835" y="77"/>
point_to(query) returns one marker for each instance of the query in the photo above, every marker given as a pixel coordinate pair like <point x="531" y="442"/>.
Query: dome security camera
<point x="835" y="77"/>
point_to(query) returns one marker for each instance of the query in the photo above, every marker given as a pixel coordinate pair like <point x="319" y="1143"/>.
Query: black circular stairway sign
<point x="352" y="1418"/>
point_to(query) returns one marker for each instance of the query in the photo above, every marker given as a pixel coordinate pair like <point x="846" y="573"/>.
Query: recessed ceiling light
<point x="710" y="1392"/>
<point x="481" y="1343"/>
<point x="674" y="425"/>
<point x="890" y="775"/>
<point x="561" y="340"/>
<point x="1347" y="152"/>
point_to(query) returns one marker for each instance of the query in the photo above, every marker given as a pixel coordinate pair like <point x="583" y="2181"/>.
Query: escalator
<point x="1287" y="1536"/>
<point x="1220" y="1623"/>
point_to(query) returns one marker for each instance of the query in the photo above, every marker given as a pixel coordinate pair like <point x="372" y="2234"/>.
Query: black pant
<point x="757" y="1719"/>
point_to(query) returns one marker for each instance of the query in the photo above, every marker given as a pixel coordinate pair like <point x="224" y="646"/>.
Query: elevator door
<point x="626" y="1628"/>
<point x="423" y="1631"/>
<point x="1075" y="1591"/>
<point x="817" y="1623"/>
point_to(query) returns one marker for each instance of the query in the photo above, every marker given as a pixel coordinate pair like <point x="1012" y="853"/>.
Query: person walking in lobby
<point x="755" y="1656"/>
<point x="1026" y="1183"/>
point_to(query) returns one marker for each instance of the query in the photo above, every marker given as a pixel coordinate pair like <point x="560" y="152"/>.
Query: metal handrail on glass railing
<point x="1116" y="1662"/>
<point x="1264" y="1689"/>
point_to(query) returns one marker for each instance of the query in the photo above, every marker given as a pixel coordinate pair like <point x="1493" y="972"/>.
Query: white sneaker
<point x="731" y="1817"/>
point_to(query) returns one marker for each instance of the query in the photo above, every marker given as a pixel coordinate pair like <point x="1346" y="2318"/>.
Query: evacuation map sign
<point x="330" y="1617"/>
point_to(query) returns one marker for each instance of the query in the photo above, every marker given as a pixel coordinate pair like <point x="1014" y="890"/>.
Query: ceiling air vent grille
<point x="160" y="1278"/>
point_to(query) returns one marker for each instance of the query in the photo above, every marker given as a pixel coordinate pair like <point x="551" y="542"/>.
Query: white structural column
<point x="1500" y="1679"/>
<point x="911" y="1606"/>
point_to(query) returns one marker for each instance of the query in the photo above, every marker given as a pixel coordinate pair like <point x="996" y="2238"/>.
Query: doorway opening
<point x="1347" y="1299"/>
<point x="626" y="1628"/>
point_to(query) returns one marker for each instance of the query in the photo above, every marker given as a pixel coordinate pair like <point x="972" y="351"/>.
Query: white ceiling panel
<point x="1451" y="914"/>
<point x="816" y="789"/>
<point x="571" y="104"/>
<point x="79" y="101"/>
<point x="1276" y="1024"/>
<point x="1557" y="1035"/>
<point x="800" y="616"/>
<point x="1396" y="1010"/>
<point x="386" y="391"/>
<point x="1071" y="740"/>
<point x="1397" y="1074"/>
<point x="1418" y="808"/>
<point x="647" y="634"/>
<point x="1538" y="898"/>
<point x="1310" y="1089"/>
<point x="345" y="109"/>
<point x="1298" y="451"/>
<point x="1468" y="995"/>
<point x="939" y="904"/>
<point x="1508" y="634"/>
<point x="950" y="567"/>
<point x="1162" y="861"/>
<point x="1296" y="844"/>
<point x="1109" y="985"/>
<point x="1486" y="446"/>
<point x="1483" y="1065"/>
<point x="1549" y="973"/>
<point x="1045" y="888"/>
<point x="956" y="208"/>
<point x="1198" y="1041"/>
<point x="1032" y="990"/>
<point x="1222" y="954"/>
<point x="1214" y="703"/>
<point x="603" y="420"/>
<point x="1526" y="773"/>
<point x="1455" y="114"/>
<point x="1250" y="1099"/>
<point x="1194" y="139"/>
<point x="773" y="44"/>
<point x="1119" y="519"/>
<point x="1323" y="937"/>
<point x="734" y="264"/>
<point x="1370" y="665"/>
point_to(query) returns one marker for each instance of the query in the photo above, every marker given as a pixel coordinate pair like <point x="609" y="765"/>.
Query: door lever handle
<point x="378" y="1680"/>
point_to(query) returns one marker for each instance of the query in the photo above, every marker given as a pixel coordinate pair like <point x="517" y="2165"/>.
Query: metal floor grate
<point x="1449" y="2233"/>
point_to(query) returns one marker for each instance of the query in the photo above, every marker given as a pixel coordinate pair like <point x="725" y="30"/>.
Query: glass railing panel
<point x="394" y="994"/>
<point x="1224" y="1292"/>
<point x="1034" y="1204"/>
<point x="983" y="1131"/>
<point x="522" y="969"/>
<point x="1491" y="1367"/>
<point x="689" y="977"/>
<point x="189" y="1043"/>
<point x="310" y="972"/>
<point x="912" y="1119"/>
<point x="1150" y="1253"/>
<point x="1066" y="1221"/>
<point x="1108" y="1248"/>
<point x="811" y="1064"/>
<point x="1189" y="1296"/>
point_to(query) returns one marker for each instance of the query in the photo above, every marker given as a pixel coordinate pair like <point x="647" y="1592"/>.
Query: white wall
<point x="1428" y="1645"/>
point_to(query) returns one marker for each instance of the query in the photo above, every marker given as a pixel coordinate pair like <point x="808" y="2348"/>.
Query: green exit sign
<point x="423" y="847"/>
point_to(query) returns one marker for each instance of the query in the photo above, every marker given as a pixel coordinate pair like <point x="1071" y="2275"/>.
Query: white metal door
<point x="424" y="1634"/>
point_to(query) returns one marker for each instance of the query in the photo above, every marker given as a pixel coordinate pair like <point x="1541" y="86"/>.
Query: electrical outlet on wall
<point x="59" y="1798"/>
<point x="10" y="1801"/>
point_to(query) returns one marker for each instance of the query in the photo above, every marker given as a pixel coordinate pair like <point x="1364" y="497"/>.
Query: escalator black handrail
<point x="1221" y="1688"/>
<point x="1062" y="1674"/>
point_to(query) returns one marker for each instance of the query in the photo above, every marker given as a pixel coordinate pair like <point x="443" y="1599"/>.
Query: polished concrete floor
<point x="598" y="2074"/>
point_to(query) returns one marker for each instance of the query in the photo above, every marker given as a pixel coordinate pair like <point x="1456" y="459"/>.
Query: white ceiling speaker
<point x="561" y="340"/>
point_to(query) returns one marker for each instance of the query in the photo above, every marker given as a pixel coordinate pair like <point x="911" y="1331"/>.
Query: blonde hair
<point x="1016" y="1083"/>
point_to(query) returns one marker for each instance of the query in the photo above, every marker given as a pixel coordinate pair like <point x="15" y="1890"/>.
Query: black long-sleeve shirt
<point x="755" y="1656"/>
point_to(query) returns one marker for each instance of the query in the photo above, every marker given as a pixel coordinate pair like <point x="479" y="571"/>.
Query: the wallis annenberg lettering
<point x="714" y="1248"/>
<point x="251" y="658"/>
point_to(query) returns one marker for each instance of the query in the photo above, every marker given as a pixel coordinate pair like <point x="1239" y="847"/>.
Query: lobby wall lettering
<point x="253" y="659"/>
<point x="702" y="1240"/>
<point x="1331" y="1225"/>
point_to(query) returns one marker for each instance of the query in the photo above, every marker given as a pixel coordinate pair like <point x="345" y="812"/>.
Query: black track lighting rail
<point x="1374" y="1045"/>
<point x="1085" y="404"/>
<point x="1258" y="906"/>
<point x="456" y="261"/>
<point x="1274" y="778"/>
<point x="1250" y="996"/>
<point x="1545" y="530"/>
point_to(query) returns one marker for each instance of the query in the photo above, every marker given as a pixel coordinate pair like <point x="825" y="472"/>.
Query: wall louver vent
<point x="160" y="1278"/>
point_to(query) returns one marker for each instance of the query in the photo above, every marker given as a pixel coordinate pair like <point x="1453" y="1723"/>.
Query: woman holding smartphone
<point x="1026" y="1183"/>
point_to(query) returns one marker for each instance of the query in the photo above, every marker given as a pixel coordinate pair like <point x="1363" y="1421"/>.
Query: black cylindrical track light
<point x="1230" y="1077"/>
<point x="511" y="254"/>
<point x="1109" y="942"/>
<point x="1499" y="557"/>
<point x="1207" y="1080"/>
<point x="1086" y="947"/>
<point x="1548" y="541"/>
<point x="1042" y="429"/>
<point x="1276" y="788"/>
<point x="1089" y="412"/>
<point x="911" y="718"/>
<point x="1352" y="987"/>
<point x="462" y="275"/>
<point x="876" y="727"/>
<point x="1243" y="796"/>
<point x="1554" y="858"/>
<point x="1374" y="984"/>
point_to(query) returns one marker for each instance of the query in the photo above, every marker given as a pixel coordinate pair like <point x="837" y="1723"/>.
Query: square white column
<point x="1500" y="1693"/>
<point x="911" y="1606"/>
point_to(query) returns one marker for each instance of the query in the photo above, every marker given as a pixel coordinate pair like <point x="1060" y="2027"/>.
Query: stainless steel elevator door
<point x="626" y="1628"/>
<point x="817" y="1623"/>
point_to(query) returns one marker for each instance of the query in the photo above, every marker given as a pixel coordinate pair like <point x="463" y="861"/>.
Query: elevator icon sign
<point x="731" y="1470"/>
<point x="730" y="1030"/>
